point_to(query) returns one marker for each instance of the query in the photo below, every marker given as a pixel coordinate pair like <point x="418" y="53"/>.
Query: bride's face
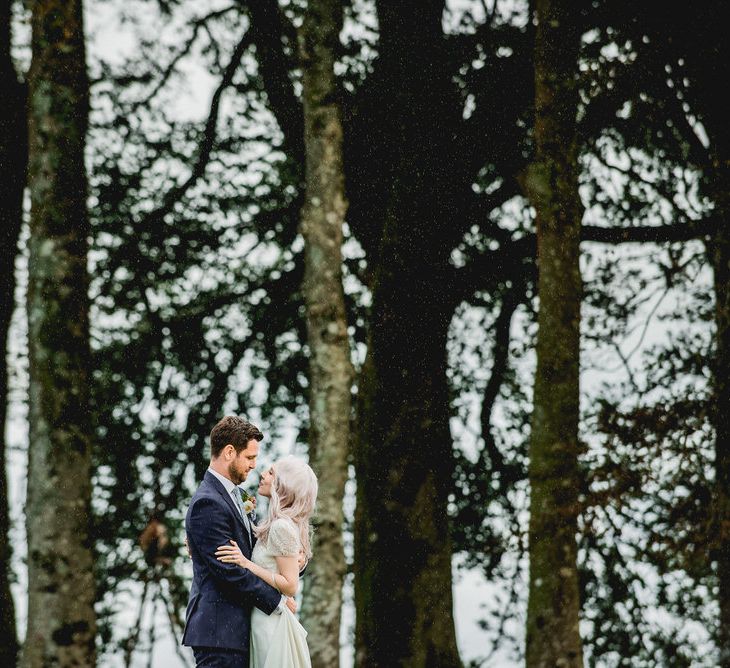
<point x="267" y="477"/>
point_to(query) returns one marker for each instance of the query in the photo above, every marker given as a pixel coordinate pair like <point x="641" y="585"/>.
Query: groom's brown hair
<point x="234" y="430"/>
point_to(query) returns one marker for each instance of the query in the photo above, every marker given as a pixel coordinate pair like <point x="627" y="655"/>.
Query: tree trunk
<point x="553" y="637"/>
<point x="404" y="464"/>
<point x="13" y="165"/>
<point x="330" y="367"/>
<point x="407" y="185"/>
<point x="61" y="619"/>
<point x="719" y="253"/>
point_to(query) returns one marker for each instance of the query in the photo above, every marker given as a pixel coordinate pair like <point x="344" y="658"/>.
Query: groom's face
<point x="243" y="462"/>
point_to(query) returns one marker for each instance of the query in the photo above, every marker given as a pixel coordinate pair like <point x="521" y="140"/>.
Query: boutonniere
<point x="249" y="502"/>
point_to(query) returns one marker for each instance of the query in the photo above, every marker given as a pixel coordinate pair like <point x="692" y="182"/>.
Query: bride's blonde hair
<point x="293" y="496"/>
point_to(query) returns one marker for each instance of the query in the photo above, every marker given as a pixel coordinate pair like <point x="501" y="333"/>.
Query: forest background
<point x="469" y="258"/>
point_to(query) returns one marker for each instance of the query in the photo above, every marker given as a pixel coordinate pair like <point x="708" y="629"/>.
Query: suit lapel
<point x="251" y="518"/>
<point x="218" y="486"/>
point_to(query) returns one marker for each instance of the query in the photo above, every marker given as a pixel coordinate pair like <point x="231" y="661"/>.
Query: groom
<point x="218" y="617"/>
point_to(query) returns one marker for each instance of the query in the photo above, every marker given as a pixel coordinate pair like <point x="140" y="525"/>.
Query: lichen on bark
<point x="61" y="593"/>
<point x="330" y="369"/>
<point x="553" y="637"/>
<point x="719" y="254"/>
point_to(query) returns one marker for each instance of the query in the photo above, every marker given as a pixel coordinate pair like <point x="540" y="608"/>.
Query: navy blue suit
<point x="218" y="617"/>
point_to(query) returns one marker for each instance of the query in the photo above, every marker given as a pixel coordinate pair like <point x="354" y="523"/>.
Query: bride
<point x="291" y="486"/>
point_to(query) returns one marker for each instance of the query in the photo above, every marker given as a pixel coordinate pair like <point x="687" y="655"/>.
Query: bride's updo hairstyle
<point x="293" y="496"/>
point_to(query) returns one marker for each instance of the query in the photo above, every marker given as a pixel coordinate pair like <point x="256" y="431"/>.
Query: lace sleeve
<point x="283" y="539"/>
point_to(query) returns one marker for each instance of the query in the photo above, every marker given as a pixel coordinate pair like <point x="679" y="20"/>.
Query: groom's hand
<point x="301" y="560"/>
<point x="291" y="604"/>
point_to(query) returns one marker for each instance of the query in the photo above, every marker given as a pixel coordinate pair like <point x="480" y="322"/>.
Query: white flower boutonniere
<point x="249" y="502"/>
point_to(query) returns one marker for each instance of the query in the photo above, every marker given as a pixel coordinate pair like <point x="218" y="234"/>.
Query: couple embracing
<point x="241" y="607"/>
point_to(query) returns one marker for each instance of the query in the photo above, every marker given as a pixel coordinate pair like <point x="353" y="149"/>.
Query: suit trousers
<point x="219" y="657"/>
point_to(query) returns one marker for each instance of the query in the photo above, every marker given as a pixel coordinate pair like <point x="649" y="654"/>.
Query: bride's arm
<point x="286" y="580"/>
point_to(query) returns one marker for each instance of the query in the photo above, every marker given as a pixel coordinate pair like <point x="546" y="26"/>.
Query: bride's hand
<point x="231" y="554"/>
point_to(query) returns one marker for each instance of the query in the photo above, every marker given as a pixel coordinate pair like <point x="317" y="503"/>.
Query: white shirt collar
<point x="228" y="484"/>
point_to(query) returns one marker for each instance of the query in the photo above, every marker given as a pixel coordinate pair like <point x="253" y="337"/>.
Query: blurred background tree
<point x="551" y="183"/>
<point x="61" y="627"/>
<point x="330" y="367"/>
<point x="13" y="164"/>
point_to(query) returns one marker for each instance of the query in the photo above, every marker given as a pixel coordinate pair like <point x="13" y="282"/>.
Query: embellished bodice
<point x="282" y="541"/>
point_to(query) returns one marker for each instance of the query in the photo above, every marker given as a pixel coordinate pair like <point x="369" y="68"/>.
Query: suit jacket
<point x="222" y="595"/>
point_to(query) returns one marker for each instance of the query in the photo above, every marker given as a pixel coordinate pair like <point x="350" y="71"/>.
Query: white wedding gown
<point x="277" y="640"/>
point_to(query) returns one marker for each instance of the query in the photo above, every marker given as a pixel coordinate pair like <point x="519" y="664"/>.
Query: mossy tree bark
<point x="61" y="619"/>
<point x="13" y="166"/>
<point x="331" y="374"/>
<point x="402" y="546"/>
<point x="553" y="637"/>
<point x="719" y="253"/>
<point x="403" y="448"/>
<point x="710" y="63"/>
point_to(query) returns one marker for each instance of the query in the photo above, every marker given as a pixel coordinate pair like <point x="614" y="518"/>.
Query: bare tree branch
<point x="131" y="642"/>
<point x="209" y="133"/>
<point x="680" y="231"/>
<point x="513" y="297"/>
<point x="510" y="260"/>
<point x="175" y="194"/>
<point x="197" y="25"/>
<point x="267" y="29"/>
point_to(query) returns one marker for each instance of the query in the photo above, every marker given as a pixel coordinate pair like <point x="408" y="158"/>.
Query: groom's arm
<point x="207" y="530"/>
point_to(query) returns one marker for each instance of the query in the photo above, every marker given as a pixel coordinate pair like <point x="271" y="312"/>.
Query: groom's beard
<point x="235" y="474"/>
